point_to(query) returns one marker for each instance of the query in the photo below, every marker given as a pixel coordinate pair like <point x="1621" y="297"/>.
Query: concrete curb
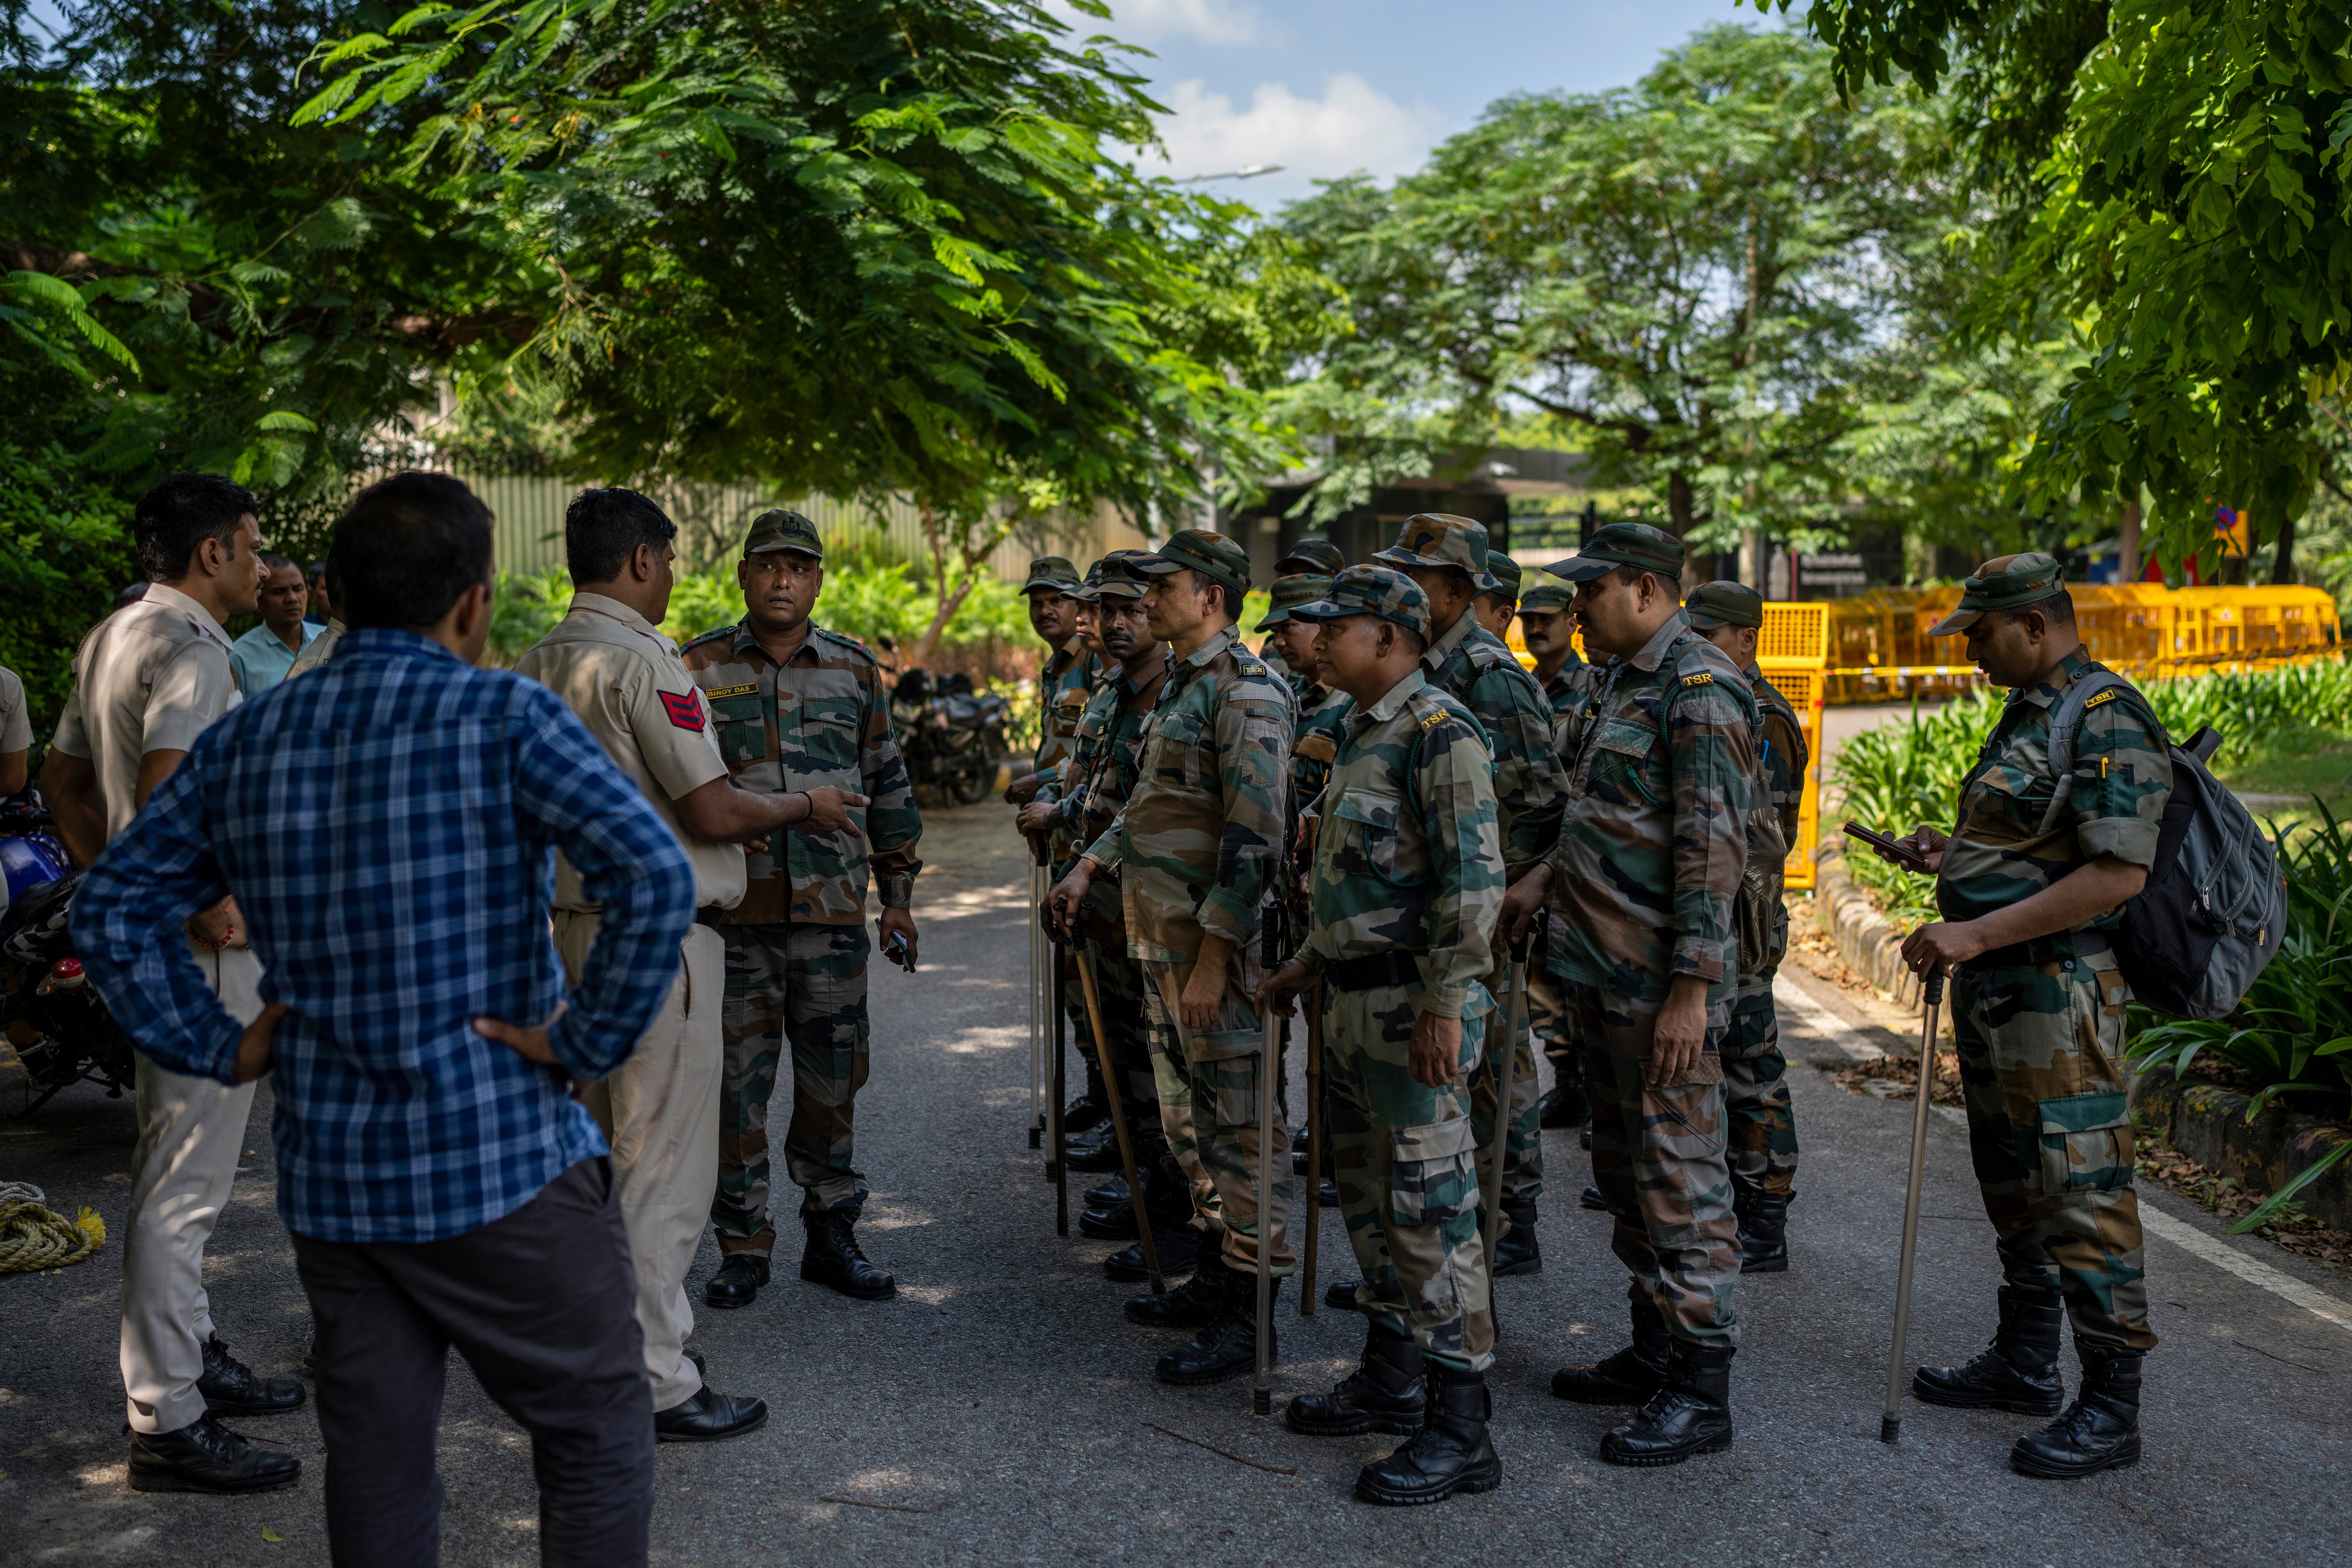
<point x="1871" y="947"/>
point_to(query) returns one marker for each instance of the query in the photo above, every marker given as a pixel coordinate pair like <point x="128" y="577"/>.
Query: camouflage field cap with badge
<point x="778" y="529"/>
<point x="1215" y="556"/>
<point x="1506" y="572"/>
<point x="1289" y="592"/>
<point x="1725" y="603"/>
<point x="1369" y="589"/>
<point x="1440" y="539"/>
<point x="1054" y="571"/>
<point x="2003" y="582"/>
<point x="1546" y="599"/>
<point x="1634" y="544"/>
<point x="1121" y="577"/>
<point x="1312" y="557"/>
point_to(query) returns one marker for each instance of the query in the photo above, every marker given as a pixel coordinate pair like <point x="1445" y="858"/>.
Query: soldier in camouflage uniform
<point x="1497" y="607"/>
<point x="1546" y="627"/>
<point x="1198" y="848"/>
<point x="2030" y="886"/>
<point x="1662" y="779"/>
<point x="796" y="707"/>
<point x="1755" y="1074"/>
<point x="1308" y="558"/>
<point x="1101" y="774"/>
<point x="1407" y="880"/>
<point x="1447" y="557"/>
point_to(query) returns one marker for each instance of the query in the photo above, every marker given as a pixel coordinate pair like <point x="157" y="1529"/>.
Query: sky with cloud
<point x="1329" y="87"/>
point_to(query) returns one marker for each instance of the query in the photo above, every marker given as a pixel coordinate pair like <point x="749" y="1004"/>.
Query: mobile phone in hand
<point x="1910" y="859"/>
<point x="895" y="950"/>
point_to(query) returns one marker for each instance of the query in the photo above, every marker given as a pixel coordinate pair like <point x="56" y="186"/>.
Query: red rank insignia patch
<point x="685" y="709"/>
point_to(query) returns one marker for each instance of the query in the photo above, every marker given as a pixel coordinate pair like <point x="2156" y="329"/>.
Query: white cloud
<point x="1352" y="126"/>
<point x="1223" y="23"/>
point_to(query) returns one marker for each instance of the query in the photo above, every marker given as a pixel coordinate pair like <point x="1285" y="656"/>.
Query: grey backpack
<point x="2214" y="909"/>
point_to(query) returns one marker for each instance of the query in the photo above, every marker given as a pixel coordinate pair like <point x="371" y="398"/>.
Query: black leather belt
<point x="1373" y="970"/>
<point x="2041" y="951"/>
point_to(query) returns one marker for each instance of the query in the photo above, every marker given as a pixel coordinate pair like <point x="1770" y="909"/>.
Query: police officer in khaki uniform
<point x="660" y="1108"/>
<point x="147" y="682"/>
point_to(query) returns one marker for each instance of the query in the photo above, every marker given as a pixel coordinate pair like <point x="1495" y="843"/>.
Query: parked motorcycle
<point x="950" y="736"/>
<point x="52" y="1014"/>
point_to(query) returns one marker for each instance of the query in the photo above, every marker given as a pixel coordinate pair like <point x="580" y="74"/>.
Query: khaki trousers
<point x="191" y="1131"/>
<point x="660" y="1110"/>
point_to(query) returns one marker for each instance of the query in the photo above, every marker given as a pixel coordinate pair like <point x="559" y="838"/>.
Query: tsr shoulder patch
<point x="1432" y="720"/>
<point x="1704" y="677"/>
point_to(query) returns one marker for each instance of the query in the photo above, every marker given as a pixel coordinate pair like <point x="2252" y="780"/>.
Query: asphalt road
<point x="1002" y="1410"/>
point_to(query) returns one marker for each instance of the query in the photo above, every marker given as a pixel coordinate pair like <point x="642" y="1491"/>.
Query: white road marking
<point x="1818" y="1020"/>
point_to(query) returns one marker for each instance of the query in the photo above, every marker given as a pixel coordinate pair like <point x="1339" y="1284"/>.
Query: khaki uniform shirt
<point x="312" y="656"/>
<point x="15" y="724"/>
<point x="821" y="719"/>
<point x="149" y="679"/>
<point x="624" y="681"/>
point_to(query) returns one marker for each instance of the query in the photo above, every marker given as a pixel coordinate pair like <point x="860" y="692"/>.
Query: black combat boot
<point x="1451" y="1453"/>
<point x="738" y="1281"/>
<point x="708" y="1416"/>
<point x="1591" y="1198"/>
<point x="205" y="1456"/>
<point x="1167" y="1205"/>
<point x="2017" y="1371"/>
<point x="2100" y="1431"/>
<point x="1227" y="1347"/>
<point x="1108" y="1195"/>
<point x="1691" y="1414"/>
<point x="1630" y="1377"/>
<point x="1584" y="1139"/>
<point x="1116" y="1223"/>
<point x="1515" y="1252"/>
<point x="1192" y="1306"/>
<point x="1563" y="1106"/>
<point x="1388" y="1393"/>
<point x="833" y="1258"/>
<point x="1094" y="1150"/>
<point x="1341" y="1295"/>
<point x="1178" y="1246"/>
<point x="1763" y="1229"/>
<point x="230" y="1387"/>
<point x="1088" y="1111"/>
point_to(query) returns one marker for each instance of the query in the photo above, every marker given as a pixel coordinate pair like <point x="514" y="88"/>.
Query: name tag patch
<point x="2108" y="696"/>
<point x="745" y="690"/>
<point x="685" y="709"/>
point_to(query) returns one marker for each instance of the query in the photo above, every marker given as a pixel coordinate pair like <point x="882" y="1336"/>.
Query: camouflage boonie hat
<point x="1441" y="539"/>
<point x="1725" y="603"/>
<point x="1369" y="589"/>
<point x="1119" y="578"/>
<point x="777" y="528"/>
<point x="1054" y="572"/>
<point x="1546" y="599"/>
<point x="1506" y="572"/>
<point x="2003" y="582"/>
<point x="1312" y="557"/>
<point x="1290" y="592"/>
<point x="1635" y="545"/>
<point x="1215" y="556"/>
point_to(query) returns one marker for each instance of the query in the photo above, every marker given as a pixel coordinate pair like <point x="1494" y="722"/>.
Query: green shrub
<point x="65" y="552"/>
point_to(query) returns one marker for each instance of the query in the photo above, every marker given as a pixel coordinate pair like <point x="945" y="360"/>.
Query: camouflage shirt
<point x="1477" y="669"/>
<point x="1322" y="724"/>
<point x="1662" y="776"/>
<point x="1409" y="856"/>
<point x="1064" y="688"/>
<point x="1101" y="775"/>
<point x="1199" y="843"/>
<point x="823" y="718"/>
<point x="1566" y="685"/>
<point x="2123" y="777"/>
<point x="1783" y="754"/>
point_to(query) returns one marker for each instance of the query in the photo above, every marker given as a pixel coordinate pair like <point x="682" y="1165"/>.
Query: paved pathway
<point x="1002" y="1411"/>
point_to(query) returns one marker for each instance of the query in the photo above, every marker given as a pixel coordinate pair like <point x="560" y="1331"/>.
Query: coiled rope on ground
<point x="33" y="1237"/>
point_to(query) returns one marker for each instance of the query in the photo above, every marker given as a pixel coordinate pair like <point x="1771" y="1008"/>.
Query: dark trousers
<point x="542" y="1305"/>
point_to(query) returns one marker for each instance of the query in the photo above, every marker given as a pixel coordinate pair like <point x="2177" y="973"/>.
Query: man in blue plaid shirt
<point x="388" y="827"/>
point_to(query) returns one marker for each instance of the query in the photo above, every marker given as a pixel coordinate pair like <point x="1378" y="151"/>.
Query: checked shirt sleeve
<point x="127" y="916"/>
<point x="628" y="862"/>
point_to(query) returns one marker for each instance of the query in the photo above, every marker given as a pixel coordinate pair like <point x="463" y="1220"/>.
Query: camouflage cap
<point x="1546" y="599"/>
<point x="1089" y="585"/>
<point x="1289" y="592"/>
<point x="2003" y="582"/>
<point x="1441" y="539"/>
<point x="1317" y="557"/>
<point x="1506" y="572"/>
<point x="1215" y="556"/>
<point x="1635" y="545"/>
<point x="1054" y="571"/>
<point x="1369" y="589"/>
<point x="1120" y="577"/>
<point x="777" y="528"/>
<point x="1723" y="603"/>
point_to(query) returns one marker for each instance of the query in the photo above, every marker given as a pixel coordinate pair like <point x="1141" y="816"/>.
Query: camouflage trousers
<point x="801" y="986"/>
<point x="2052" y="1140"/>
<point x="1523" y="1135"/>
<point x="1659" y="1158"/>
<point x="1547" y="1020"/>
<point x="1208" y="1110"/>
<point x="1755" y="1092"/>
<point x="1404" y="1159"/>
<point x="1119" y="989"/>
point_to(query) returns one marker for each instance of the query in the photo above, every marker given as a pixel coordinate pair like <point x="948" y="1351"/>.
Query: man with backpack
<point x="2058" y="827"/>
